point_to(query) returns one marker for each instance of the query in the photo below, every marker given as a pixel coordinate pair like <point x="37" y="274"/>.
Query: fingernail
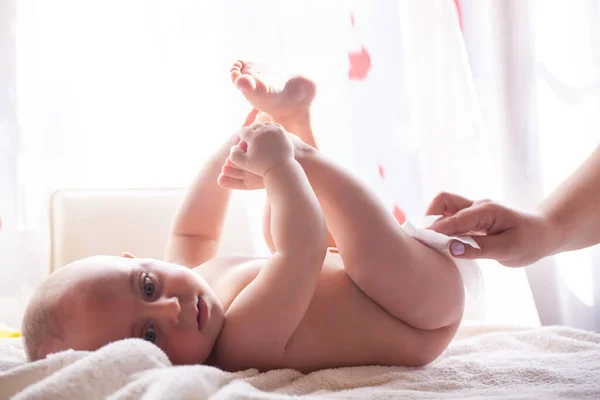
<point x="457" y="248"/>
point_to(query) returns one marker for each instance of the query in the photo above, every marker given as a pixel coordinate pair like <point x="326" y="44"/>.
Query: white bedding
<point x="484" y="362"/>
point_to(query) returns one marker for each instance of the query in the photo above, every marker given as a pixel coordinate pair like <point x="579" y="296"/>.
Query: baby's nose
<point x="169" y="309"/>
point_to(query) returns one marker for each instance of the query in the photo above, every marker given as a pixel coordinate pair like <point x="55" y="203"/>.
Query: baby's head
<point x="99" y="300"/>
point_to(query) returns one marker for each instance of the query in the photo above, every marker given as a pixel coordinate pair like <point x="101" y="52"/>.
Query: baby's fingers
<point x="230" y="183"/>
<point x="248" y="134"/>
<point x="237" y="156"/>
<point x="232" y="171"/>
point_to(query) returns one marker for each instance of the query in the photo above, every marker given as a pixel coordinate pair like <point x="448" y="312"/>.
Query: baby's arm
<point x="267" y="312"/>
<point x="199" y="221"/>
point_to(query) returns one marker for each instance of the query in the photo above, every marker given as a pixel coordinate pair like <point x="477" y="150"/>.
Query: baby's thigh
<point x="412" y="281"/>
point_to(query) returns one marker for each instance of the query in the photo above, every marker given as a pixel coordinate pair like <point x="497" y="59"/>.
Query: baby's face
<point x="170" y="305"/>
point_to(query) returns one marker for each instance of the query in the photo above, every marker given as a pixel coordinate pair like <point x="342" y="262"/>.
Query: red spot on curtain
<point x="459" y="14"/>
<point x="381" y="171"/>
<point x="398" y="214"/>
<point x="360" y="62"/>
<point x="360" y="65"/>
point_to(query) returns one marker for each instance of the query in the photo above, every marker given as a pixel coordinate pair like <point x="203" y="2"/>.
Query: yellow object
<point x="6" y="332"/>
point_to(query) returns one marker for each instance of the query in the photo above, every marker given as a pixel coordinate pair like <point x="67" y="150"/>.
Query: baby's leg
<point x="287" y="101"/>
<point x="413" y="282"/>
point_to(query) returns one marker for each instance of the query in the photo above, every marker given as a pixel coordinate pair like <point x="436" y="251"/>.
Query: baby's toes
<point x="244" y="82"/>
<point x="236" y="71"/>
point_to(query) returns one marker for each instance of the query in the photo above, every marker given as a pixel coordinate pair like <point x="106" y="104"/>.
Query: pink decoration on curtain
<point x="396" y="210"/>
<point x="360" y="66"/>
<point x="381" y="171"/>
<point x="360" y="62"/>
<point x="398" y="214"/>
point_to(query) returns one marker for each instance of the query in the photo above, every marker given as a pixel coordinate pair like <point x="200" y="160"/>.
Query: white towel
<point x="11" y="353"/>
<point x="484" y="362"/>
<point x="79" y="374"/>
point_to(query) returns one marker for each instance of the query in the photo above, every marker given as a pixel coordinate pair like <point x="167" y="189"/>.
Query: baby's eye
<point x="148" y="287"/>
<point x="150" y="334"/>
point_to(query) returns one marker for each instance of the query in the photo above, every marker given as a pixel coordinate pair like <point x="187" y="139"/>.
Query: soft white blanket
<point x="484" y="362"/>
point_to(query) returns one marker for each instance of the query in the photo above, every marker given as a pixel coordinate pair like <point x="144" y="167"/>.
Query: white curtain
<point x="135" y="93"/>
<point x="567" y="49"/>
<point x="536" y="70"/>
<point x="13" y="275"/>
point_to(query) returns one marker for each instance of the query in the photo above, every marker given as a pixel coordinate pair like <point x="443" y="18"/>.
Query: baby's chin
<point x="191" y="355"/>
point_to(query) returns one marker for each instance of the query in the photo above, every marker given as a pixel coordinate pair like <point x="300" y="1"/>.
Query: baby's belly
<point x="344" y="327"/>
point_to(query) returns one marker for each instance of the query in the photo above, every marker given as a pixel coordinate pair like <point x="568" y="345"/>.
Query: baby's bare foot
<point x="287" y="100"/>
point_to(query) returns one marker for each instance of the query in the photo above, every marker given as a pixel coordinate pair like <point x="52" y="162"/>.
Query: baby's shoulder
<point x="228" y="275"/>
<point x="230" y="270"/>
<point x="228" y="261"/>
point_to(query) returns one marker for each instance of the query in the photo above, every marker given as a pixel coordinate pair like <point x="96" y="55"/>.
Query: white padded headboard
<point x="109" y="222"/>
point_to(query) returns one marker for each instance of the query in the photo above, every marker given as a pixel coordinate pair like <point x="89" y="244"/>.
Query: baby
<point x="374" y="296"/>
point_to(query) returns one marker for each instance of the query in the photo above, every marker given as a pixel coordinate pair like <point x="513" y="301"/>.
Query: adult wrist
<point x="553" y="233"/>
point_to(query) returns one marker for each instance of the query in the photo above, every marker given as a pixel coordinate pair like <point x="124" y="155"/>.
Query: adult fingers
<point x="478" y="218"/>
<point x="447" y="204"/>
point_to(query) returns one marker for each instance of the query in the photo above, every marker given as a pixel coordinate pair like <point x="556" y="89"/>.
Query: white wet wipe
<point x="469" y="269"/>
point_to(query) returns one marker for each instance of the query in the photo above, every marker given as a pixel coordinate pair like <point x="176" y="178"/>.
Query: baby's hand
<point x="261" y="148"/>
<point x="232" y="177"/>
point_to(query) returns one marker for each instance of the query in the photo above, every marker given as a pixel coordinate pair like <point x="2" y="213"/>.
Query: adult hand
<point x="512" y="237"/>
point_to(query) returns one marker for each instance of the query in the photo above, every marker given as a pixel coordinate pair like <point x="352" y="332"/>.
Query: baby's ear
<point x="127" y="255"/>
